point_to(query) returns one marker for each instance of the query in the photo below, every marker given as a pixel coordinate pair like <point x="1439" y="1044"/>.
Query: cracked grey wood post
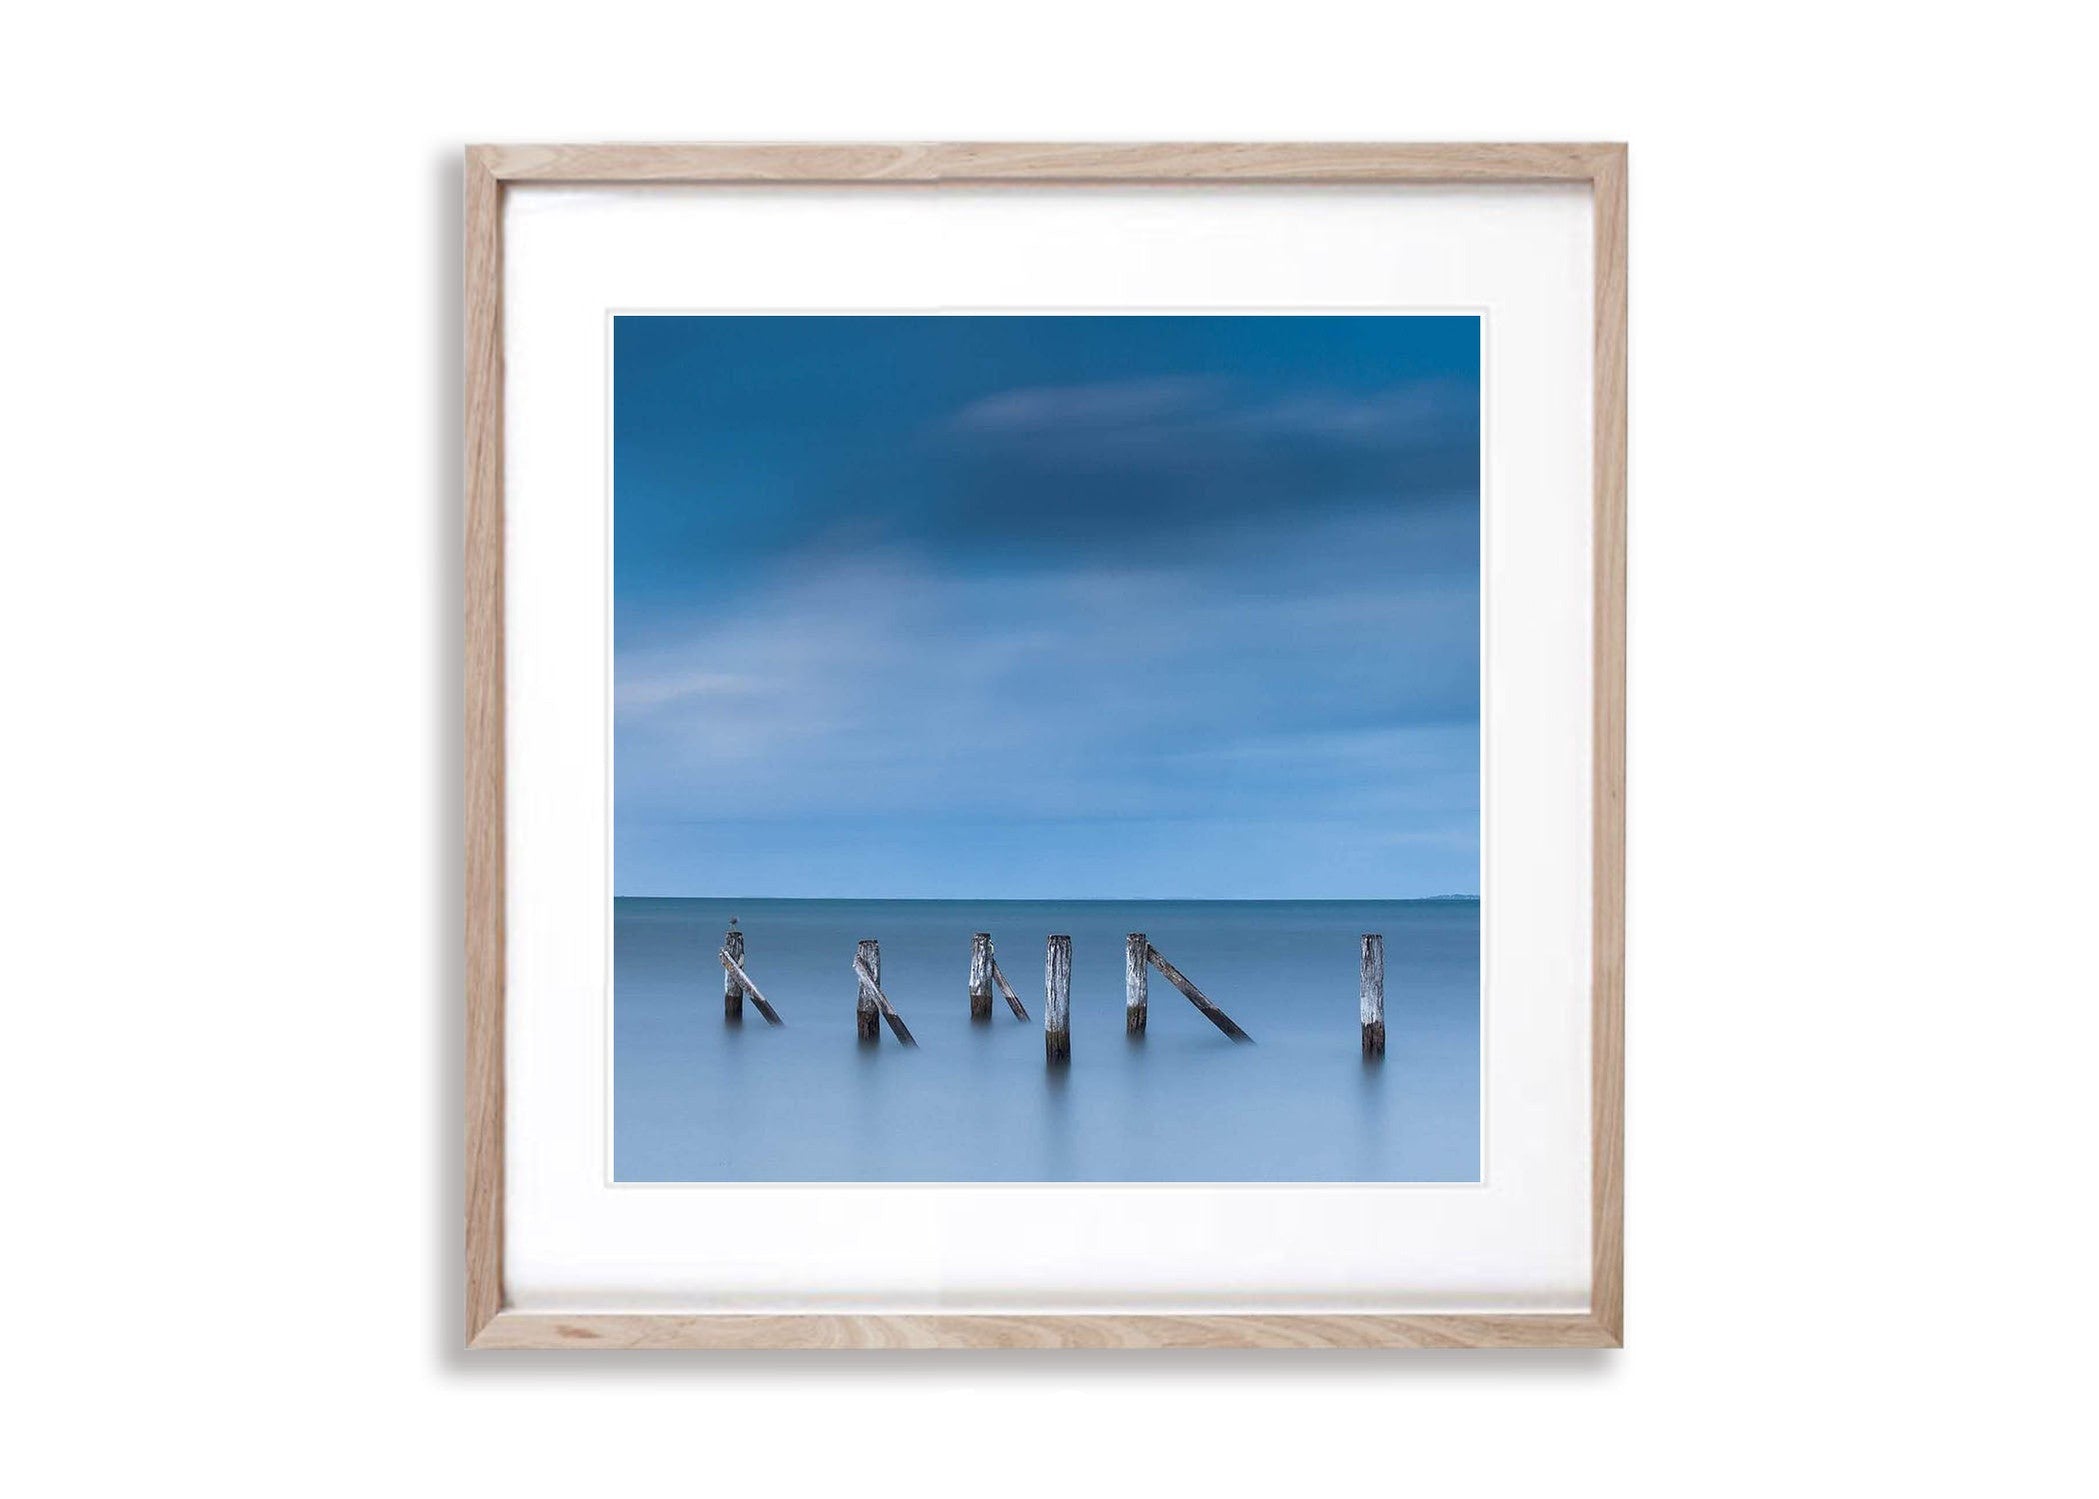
<point x="1373" y="1001"/>
<point x="980" y="976"/>
<point x="868" y="1013"/>
<point x="732" y="991"/>
<point x="1135" y="985"/>
<point x="1056" y="1008"/>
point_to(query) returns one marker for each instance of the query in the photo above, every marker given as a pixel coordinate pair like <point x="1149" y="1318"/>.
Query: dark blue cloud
<point x="1093" y="468"/>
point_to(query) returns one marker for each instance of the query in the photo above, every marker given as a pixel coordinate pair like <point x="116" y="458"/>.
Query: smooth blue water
<point x="699" y="1100"/>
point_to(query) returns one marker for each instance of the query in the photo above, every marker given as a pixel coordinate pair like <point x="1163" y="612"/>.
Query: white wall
<point x="1862" y="1035"/>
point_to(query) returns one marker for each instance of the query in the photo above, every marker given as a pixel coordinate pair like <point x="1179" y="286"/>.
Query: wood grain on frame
<point x="485" y="826"/>
<point x="488" y="169"/>
<point x="1061" y="1330"/>
<point x="1014" y="161"/>
<point x="1607" y="767"/>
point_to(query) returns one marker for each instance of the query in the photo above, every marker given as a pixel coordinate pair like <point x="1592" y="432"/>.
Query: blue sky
<point x="1046" y="607"/>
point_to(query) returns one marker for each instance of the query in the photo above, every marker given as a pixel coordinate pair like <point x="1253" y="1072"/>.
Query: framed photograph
<point x="1045" y="745"/>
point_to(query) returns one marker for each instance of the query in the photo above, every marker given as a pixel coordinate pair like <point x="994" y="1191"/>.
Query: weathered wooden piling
<point x="980" y="976"/>
<point x="866" y="1012"/>
<point x="871" y="983"/>
<point x="1196" y="997"/>
<point x="1135" y="980"/>
<point x="1005" y="987"/>
<point x="1056" y="1007"/>
<point x="732" y="990"/>
<point x="734" y="969"/>
<point x="1372" y="1008"/>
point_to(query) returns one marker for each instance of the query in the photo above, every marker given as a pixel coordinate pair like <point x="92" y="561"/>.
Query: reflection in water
<point x="1057" y="1125"/>
<point x="1372" y="1124"/>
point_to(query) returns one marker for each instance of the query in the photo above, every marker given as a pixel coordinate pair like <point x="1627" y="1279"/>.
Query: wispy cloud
<point x="1106" y="404"/>
<point x="1177" y="414"/>
<point x="886" y="685"/>
<point x="643" y="692"/>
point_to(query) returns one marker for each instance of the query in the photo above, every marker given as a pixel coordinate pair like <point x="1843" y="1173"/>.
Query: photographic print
<point x="1046" y="748"/>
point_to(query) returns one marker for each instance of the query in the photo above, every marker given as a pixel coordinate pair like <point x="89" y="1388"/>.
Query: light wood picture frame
<point x="493" y="170"/>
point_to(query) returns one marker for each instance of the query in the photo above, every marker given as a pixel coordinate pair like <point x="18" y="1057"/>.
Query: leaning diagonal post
<point x="869" y="984"/>
<point x="734" y="972"/>
<point x="998" y="976"/>
<point x="1196" y="997"/>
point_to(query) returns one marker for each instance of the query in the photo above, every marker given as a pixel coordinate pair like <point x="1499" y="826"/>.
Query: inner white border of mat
<point x="1519" y="1240"/>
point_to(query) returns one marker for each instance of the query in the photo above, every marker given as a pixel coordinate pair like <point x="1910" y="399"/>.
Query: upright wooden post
<point x="732" y="991"/>
<point x="867" y="1012"/>
<point x="1372" y="1008"/>
<point x="980" y="976"/>
<point x="1135" y="985"/>
<point x="1056" y="1008"/>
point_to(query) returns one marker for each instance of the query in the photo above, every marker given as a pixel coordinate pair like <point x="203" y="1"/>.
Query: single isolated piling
<point x="732" y="987"/>
<point x="1056" y="1008"/>
<point x="866" y="1012"/>
<point x="1135" y="982"/>
<point x="980" y="976"/>
<point x="1373" y="1005"/>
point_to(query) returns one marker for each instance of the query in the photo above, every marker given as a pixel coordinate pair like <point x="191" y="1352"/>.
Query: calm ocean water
<point x="699" y="1100"/>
